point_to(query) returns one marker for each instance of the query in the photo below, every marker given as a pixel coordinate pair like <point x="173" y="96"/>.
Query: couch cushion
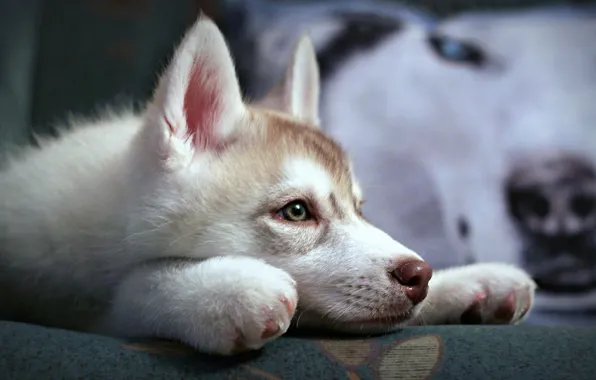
<point x="440" y="352"/>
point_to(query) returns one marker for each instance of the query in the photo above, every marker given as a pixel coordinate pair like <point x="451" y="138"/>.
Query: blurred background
<point x="472" y="123"/>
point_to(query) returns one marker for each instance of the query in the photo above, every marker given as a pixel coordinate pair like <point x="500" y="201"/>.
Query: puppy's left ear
<point x="298" y="92"/>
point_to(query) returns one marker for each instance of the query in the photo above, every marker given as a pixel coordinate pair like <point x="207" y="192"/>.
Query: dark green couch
<point x="441" y="352"/>
<point x="59" y="56"/>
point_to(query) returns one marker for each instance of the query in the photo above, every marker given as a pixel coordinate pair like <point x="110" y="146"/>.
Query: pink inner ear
<point x="202" y="104"/>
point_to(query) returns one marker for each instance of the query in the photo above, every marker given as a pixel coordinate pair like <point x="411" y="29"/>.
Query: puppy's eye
<point x="457" y="51"/>
<point x="295" y="211"/>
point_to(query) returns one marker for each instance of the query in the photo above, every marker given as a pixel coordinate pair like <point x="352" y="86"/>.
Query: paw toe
<point x="239" y="344"/>
<point x="473" y="315"/>
<point x="526" y="303"/>
<point x="289" y="304"/>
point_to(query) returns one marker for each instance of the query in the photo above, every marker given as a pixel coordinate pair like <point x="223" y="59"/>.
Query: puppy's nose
<point x="414" y="275"/>
<point x="554" y="198"/>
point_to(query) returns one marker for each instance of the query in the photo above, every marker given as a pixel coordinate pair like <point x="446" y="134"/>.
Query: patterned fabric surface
<point x="416" y="353"/>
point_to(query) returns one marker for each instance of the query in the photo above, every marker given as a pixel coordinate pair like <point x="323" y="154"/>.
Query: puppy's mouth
<point x="360" y="323"/>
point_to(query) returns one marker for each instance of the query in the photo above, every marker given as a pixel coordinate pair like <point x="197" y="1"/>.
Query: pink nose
<point x="414" y="275"/>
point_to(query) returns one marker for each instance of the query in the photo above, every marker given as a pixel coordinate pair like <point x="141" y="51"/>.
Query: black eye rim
<point x="474" y="55"/>
<point x="282" y="212"/>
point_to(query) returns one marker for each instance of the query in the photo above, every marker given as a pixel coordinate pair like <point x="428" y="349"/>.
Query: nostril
<point x="528" y="202"/>
<point x="582" y="205"/>
<point x="537" y="204"/>
<point x="412" y="278"/>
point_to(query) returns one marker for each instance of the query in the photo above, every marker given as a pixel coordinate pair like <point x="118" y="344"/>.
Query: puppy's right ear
<point x="197" y="105"/>
<point x="298" y="92"/>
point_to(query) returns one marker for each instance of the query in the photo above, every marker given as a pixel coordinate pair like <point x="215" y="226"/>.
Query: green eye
<point x="295" y="211"/>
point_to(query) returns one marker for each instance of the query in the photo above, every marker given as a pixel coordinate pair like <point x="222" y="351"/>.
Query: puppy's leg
<point x="488" y="293"/>
<point x="222" y="305"/>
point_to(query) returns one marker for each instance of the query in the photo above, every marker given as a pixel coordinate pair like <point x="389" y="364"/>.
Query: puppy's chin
<point x="358" y="325"/>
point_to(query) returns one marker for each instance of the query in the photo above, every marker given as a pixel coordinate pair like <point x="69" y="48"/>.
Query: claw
<point x="506" y="311"/>
<point x="526" y="306"/>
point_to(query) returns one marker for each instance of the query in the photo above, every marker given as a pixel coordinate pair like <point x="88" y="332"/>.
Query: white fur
<point x="201" y="42"/>
<point x="493" y="279"/>
<point x="298" y="93"/>
<point x="248" y="292"/>
<point x="128" y="226"/>
<point x="306" y="175"/>
<point x="304" y="79"/>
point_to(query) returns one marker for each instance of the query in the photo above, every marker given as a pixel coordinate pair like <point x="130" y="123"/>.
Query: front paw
<point x="265" y="318"/>
<point x="253" y="304"/>
<point x="488" y="293"/>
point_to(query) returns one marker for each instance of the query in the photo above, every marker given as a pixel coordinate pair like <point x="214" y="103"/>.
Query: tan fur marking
<point x="337" y="211"/>
<point x="277" y="136"/>
<point x="301" y="138"/>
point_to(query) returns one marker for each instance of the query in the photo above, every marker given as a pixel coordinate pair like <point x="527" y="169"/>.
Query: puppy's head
<point x="225" y="178"/>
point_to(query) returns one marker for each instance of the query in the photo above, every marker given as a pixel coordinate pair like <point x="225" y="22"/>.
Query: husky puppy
<point x="215" y="223"/>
